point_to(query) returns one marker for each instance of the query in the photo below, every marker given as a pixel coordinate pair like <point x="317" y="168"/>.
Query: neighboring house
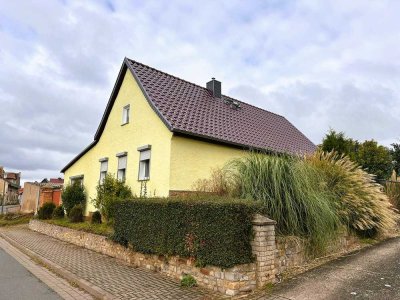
<point x="36" y="194"/>
<point x="161" y="134"/>
<point x="9" y="187"/>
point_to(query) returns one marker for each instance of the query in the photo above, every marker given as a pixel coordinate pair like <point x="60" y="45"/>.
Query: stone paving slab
<point x="110" y="274"/>
<point x="57" y="284"/>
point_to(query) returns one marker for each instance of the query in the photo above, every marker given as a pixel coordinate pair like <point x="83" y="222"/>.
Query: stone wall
<point x="273" y="255"/>
<point x="239" y="279"/>
<point x="291" y="250"/>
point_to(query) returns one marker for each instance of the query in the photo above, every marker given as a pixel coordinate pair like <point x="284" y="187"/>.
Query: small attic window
<point x="125" y="114"/>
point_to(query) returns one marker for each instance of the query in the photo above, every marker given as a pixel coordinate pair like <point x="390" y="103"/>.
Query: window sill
<point x="144" y="179"/>
<point x="124" y="123"/>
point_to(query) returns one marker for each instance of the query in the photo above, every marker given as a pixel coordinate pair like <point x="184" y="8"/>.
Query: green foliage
<point x="291" y="193"/>
<point x="76" y="214"/>
<point x="10" y="219"/>
<point x="46" y="211"/>
<point x="96" y="217"/>
<point x="213" y="231"/>
<point x="188" y="281"/>
<point x="109" y="192"/>
<point x="375" y="159"/>
<point x="102" y="229"/>
<point x="337" y="141"/>
<point x="72" y="195"/>
<point x="58" y="212"/>
<point x="395" y="152"/>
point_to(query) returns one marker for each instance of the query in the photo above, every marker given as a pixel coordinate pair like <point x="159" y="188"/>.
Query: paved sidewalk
<point x="22" y="278"/>
<point x="110" y="274"/>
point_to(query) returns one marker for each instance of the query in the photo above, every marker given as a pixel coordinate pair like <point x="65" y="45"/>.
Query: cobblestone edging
<point x="232" y="281"/>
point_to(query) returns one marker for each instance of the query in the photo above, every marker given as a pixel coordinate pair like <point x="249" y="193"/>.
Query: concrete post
<point x="263" y="247"/>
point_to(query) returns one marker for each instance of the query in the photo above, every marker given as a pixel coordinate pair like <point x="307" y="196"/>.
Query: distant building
<point x="36" y="194"/>
<point x="9" y="187"/>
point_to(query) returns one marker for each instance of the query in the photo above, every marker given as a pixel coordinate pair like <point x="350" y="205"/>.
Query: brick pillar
<point x="263" y="247"/>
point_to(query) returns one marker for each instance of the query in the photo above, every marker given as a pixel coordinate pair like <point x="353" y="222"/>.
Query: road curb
<point x="82" y="283"/>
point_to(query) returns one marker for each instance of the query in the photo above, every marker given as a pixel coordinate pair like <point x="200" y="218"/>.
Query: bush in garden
<point x="96" y="217"/>
<point x="46" y="211"/>
<point x="72" y="195"/>
<point x="109" y="192"/>
<point x="76" y="214"/>
<point x="58" y="212"/>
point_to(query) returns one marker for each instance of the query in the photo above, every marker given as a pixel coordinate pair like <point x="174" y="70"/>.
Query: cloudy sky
<point x="321" y="64"/>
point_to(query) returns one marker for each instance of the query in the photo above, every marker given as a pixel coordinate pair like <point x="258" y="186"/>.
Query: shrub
<point x="212" y="231"/>
<point x="76" y="214"/>
<point x="46" y="211"/>
<point x="58" y="212"/>
<point x="110" y="191"/>
<point x="188" y="281"/>
<point x="96" y="217"/>
<point x="291" y="193"/>
<point x="360" y="202"/>
<point x="72" y="195"/>
<point x="219" y="183"/>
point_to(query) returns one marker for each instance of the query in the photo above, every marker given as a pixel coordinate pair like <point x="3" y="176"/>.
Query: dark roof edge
<point x="125" y="65"/>
<point x="75" y="159"/>
<point x="209" y="139"/>
<point x="169" y="126"/>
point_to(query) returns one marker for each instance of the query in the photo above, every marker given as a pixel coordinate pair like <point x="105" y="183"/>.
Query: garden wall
<point x="273" y="255"/>
<point x="232" y="281"/>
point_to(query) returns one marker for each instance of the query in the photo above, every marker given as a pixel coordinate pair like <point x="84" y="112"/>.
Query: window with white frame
<point x="103" y="169"/>
<point x="144" y="164"/>
<point x="122" y="162"/>
<point x="125" y="114"/>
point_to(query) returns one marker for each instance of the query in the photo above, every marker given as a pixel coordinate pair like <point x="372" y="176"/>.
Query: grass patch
<point x="101" y="229"/>
<point x="14" y="219"/>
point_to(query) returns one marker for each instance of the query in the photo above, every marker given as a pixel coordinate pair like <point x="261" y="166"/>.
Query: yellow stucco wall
<point x="145" y="127"/>
<point x="192" y="160"/>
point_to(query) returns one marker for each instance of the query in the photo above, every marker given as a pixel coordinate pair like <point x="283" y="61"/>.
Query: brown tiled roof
<point x="191" y="110"/>
<point x="57" y="180"/>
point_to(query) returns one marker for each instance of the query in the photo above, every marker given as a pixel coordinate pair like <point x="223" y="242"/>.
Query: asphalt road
<point x="372" y="273"/>
<point x="17" y="283"/>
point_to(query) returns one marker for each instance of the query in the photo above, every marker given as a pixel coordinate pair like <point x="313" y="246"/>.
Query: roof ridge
<point x="195" y="84"/>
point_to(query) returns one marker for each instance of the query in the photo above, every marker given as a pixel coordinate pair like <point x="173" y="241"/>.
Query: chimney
<point x="215" y="87"/>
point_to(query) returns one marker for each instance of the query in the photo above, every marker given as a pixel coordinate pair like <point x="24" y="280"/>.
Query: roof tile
<point x="190" y="108"/>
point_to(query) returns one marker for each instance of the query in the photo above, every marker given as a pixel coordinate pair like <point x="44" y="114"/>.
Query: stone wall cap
<point x="262" y="220"/>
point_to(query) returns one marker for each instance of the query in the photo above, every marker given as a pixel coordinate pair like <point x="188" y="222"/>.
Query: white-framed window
<point x="103" y="169"/>
<point x="144" y="164"/>
<point x="122" y="163"/>
<point x="125" y="114"/>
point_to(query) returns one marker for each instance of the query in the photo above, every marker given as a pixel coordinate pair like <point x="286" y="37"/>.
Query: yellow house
<point x="161" y="134"/>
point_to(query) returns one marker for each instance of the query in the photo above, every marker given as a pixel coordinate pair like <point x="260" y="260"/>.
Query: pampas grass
<point x="360" y="202"/>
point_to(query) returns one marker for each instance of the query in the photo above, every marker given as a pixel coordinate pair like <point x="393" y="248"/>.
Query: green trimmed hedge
<point x="212" y="231"/>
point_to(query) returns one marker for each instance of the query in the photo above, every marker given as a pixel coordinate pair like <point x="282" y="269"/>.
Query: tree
<point x="375" y="159"/>
<point x="72" y="195"/>
<point x="395" y="152"/>
<point x="338" y="142"/>
<point x="109" y="191"/>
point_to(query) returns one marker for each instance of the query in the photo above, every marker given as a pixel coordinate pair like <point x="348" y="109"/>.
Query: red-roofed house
<point x="161" y="133"/>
